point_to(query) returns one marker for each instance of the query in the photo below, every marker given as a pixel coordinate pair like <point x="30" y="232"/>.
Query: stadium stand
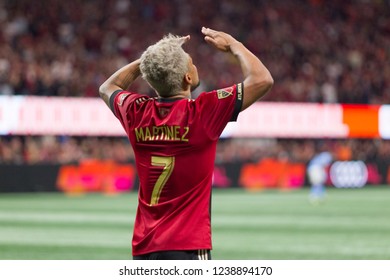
<point x="317" y="51"/>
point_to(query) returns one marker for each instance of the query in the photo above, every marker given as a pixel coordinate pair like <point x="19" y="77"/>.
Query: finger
<point x="208" y="31"/>
<point x="210" y="40"/>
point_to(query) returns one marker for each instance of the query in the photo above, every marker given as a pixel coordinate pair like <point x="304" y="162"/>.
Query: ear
<point x="188" y="78"/>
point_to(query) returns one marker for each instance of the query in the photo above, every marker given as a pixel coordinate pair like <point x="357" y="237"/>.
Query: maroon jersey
<point x="174" y="142"/>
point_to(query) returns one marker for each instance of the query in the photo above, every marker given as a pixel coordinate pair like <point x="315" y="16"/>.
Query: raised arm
<point x="257" y="79"/>
<point x="120" y="80"/>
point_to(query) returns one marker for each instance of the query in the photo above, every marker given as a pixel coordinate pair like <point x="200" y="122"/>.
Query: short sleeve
<point x="120" y="103"/>
<point x="218" y="107"/>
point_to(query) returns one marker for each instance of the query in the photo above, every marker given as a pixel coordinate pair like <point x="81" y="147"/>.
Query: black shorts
<point x="176" y="255"/>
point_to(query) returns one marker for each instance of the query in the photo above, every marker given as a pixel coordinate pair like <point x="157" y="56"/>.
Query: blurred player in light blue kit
<point x="317" y="174"/>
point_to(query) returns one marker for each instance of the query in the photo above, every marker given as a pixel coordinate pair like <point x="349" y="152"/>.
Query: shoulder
<point x="224" y="100"/>
<point x="123" y="99"/>
<point x="231" y="92"/>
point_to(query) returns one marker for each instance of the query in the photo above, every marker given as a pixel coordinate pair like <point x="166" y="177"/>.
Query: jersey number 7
<point x="168" y="163"/>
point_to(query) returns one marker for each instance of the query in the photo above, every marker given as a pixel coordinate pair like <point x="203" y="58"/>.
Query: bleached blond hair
<point x="164" y="65"/>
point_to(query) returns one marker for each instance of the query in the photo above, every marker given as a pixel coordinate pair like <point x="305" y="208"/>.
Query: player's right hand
<point x="220" y="40"/>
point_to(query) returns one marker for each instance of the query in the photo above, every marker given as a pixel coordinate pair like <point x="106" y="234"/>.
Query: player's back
<point x="175" y="162"/>
<point x="173" y="151"/>
<point x="174" y="142"/>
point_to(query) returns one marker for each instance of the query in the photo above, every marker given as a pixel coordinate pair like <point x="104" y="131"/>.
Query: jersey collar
<point x="169" y="100"/>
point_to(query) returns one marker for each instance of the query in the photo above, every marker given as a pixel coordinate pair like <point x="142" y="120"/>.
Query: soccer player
<point x="174" y="139"/>
<point x="317" y="174"/>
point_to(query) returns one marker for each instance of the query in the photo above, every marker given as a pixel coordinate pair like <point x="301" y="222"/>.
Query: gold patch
<point x="226" y="92"/>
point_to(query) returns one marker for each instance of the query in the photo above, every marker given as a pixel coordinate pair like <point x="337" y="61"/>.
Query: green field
<point x="351" y="224"/>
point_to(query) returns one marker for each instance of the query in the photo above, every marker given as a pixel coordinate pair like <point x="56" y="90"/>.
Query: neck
<point x="181" y="94"/>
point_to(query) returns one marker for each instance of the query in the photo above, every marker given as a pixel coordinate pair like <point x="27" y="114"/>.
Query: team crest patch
<point x="164" y="112"/>
<point x="225" y="92"/>
<point x="122" y="98"/>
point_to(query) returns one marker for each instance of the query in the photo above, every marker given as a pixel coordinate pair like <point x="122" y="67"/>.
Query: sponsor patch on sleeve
<point x="122" y="98"/>
<point x="239" y="91"/>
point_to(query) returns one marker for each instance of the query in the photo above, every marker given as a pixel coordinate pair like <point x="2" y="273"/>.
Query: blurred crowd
<point x="65" y="150"/>
<point x="62" y="150"/>
<point x="302" y="150"/>
<point x="317" y="51"/>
